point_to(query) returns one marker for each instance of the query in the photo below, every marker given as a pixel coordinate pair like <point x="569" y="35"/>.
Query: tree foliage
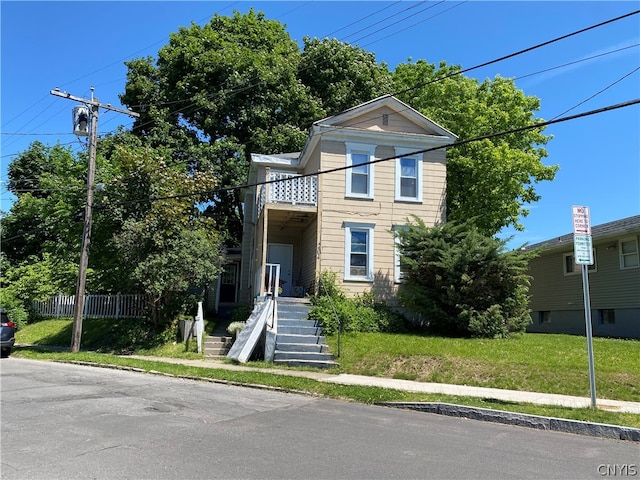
<point x="223" y="91"/>
<point x="47" y="215"/>
<point x="148" y="235"/>
<point x="461" y="282"/>
<point x="165" y="243"/>
<point x="490" y="181"/>
<point x="340" y="75"/>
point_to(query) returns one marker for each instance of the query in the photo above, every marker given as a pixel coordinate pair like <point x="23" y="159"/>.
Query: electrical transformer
<point x="81" y="120"/>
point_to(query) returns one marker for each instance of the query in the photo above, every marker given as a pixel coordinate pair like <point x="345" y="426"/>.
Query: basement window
<point x="607" y="316"/>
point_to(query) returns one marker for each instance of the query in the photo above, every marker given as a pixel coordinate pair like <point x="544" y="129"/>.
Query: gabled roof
<point x="604" y="231"/>
<point x="338" y="126"/>
<point x="394" y="104"/>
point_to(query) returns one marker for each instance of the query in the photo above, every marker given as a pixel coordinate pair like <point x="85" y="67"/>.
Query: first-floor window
<point x="358" y="251"/>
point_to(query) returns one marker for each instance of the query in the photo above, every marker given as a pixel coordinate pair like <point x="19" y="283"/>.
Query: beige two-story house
<point x="334" y="205"/>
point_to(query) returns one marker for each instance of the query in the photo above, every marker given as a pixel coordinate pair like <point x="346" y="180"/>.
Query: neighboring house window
<point x="399" y="271"/>
<point x="228" y="276"/>
<point x="358" y="251"/>
<point x="629" y="253"/>
<point x="408" y="177"/>
<point x="571" y="267"/>
<point x="359" y="178"/>
<point x="544" y="316"/>
<point x="607" y="316"/>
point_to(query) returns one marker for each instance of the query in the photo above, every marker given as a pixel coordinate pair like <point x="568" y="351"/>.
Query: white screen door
<point x="282" y="253"/>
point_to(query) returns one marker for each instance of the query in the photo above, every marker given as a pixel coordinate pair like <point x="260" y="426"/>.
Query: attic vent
<point x="385" y="119"/>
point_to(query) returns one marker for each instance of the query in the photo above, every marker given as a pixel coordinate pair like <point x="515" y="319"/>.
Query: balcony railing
<point x="288" y="188"/>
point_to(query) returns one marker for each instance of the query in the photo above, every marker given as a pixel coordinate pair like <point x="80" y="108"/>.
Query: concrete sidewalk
<point x="421" y="387"/>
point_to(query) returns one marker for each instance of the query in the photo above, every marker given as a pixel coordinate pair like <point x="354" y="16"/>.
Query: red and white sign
<point x="581" y="220"/>
<point x="582" y="247"/>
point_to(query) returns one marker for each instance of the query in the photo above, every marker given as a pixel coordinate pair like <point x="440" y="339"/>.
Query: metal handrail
<point x="335" y="314"/>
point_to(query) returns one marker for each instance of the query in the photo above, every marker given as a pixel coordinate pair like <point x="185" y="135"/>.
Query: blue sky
<point x="76" y="45"/>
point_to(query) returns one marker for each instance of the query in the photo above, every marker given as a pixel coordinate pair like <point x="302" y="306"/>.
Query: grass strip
<point x="300" y="385"/>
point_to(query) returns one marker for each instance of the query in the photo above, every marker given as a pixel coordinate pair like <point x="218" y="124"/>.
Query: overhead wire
<point x="598" y="93"/>
<point x="346" y="167"/>
<point x="500" y="58"/>
<point x="38" y="102"/>
<point x="526" y="50"/>
<point x="461" y="71"/>
<point x="457" y="143"/>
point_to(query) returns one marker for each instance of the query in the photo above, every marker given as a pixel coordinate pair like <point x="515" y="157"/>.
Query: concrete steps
<point x="299" y="342"/>
<point x="216" y="346"/>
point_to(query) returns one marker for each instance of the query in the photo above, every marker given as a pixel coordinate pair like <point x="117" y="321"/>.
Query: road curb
<point x="522" y="420"/>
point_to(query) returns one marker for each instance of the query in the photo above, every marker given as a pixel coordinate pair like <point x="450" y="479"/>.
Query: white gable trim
<point x="394" y="104"/>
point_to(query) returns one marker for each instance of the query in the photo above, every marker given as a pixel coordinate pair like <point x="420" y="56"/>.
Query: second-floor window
<point x="408" y="177"/>
<point x="359" y="178"/>
<point x="629" y="253"/>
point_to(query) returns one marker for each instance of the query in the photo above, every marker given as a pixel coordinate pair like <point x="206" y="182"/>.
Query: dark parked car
<point x="7" y="334"/>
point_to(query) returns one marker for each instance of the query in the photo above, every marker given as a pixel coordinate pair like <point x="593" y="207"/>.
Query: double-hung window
<point x="408" y="176"/>
<point x="358" y="251"/>
<point x="629" y="253"/>
<point x="359" y="178"/>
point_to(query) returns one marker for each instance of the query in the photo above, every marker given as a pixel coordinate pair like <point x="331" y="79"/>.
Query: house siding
<point x="389" y="127"/>
<point x="382" y="210"/>
<point x="610" y="288"/>
<point x="397" y="122"/>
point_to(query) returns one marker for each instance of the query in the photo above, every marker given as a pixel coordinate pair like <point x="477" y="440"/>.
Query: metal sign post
<point x="583" y="255"/>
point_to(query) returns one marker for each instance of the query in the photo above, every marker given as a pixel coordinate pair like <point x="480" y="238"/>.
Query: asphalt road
<point x="77" y="422"/>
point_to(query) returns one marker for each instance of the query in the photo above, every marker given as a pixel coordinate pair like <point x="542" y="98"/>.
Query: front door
<point x="228" y="281"/>
<point x="282" y="253"/>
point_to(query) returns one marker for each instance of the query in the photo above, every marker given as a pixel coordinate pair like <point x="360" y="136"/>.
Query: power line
<point x="103" y="68"/>
<point x="598" y="92"/>
<point x="459" y="72"/>
<point x="520" y="52"/>
<point x="338" y="169"/>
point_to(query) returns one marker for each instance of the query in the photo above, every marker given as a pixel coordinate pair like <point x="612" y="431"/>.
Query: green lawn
<point x="531" y="362"/>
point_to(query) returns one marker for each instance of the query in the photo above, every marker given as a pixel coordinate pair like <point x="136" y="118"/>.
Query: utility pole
<point x="78" y="306"/>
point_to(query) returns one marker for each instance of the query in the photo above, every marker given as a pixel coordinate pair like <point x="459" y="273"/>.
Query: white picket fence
<point x="95" y="306"/>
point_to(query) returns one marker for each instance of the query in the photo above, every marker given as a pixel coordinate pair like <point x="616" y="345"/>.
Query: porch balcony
<point x="288" y="191"/>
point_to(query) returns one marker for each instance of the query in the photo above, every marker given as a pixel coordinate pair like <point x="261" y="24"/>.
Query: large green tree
<point x="218" y="93"/>
<point x="48" y="182"/>
<point x="165" y="244"/>
<point x="490" y="181"/>
<point x="341" y="75"/>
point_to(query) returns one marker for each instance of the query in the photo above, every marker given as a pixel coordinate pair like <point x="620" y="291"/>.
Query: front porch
<point x="286" y="213"/>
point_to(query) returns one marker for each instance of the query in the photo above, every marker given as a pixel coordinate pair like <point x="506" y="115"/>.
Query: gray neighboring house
<point x="557" y="301"/>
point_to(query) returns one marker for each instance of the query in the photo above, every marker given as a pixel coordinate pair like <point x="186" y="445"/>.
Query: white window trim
<point x="370" y="151"/>
<point x="369" y="228"/>
<point x="418" y="157"/>
<point x="590" y="268"/>
<point x="397" y="274"/>
<point x="628" y="239"/>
